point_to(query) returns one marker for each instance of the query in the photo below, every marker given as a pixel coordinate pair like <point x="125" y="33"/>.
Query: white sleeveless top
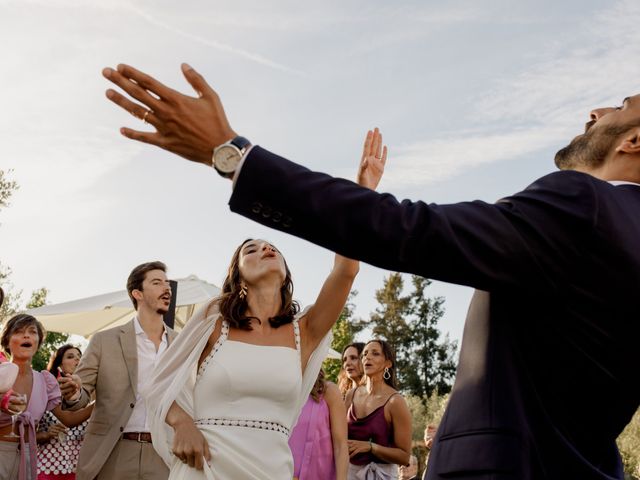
<point x="244" y="398"/>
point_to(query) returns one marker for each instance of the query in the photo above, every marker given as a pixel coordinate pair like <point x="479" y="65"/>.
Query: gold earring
<point x="243" y="291"/>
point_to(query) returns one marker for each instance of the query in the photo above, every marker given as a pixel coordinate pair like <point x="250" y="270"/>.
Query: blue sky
<point x="473" y="99"/>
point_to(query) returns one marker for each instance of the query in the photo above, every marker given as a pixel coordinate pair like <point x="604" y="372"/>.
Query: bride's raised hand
<point x="374" y="157"/>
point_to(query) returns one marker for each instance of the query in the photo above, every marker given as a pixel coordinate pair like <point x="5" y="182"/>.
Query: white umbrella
<point x="90" y="315"/>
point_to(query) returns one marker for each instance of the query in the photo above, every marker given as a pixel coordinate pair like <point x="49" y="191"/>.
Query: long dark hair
<point x="56" y="361"/>
<point x="233" y="308"/>
<point x="344" y="382"/>
<point x="389" y="354"/>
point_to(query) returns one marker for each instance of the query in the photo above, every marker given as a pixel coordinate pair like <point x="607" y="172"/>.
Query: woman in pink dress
<point x="318" y="442"/>
<point x="21" y="338"/>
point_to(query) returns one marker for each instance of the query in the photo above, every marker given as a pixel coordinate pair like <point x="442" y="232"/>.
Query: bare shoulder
<point x="398" y="403"/>
<point x="332" y="392"/>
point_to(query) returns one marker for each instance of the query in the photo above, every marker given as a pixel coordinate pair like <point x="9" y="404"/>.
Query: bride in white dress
<point x="231" y="386"/>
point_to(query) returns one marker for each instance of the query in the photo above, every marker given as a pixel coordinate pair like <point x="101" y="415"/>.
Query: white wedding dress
<point x="244" y="398"/>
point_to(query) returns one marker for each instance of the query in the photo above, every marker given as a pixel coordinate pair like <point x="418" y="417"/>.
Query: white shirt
<point x="622" y="182"/>
<point x="147" y="360"/>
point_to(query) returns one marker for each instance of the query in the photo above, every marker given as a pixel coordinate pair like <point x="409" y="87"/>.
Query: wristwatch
<point x="227" y="156"/>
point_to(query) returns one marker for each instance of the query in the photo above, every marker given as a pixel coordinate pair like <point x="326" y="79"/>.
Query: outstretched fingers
<point x="145" y="114"/>
<point x="147" y="82"/>
<point x="197" y="81"/>
<point x="152" y="138"/>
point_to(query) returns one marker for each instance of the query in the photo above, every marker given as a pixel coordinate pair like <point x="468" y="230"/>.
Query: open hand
<point x="374" y="157"/>
<point x="187" y="126"/>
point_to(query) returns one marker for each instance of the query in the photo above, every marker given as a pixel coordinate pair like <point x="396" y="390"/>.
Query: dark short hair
<point x="137" y="275"/>
<point x="22" y="320"/>
<point x="389" y="354"/>
<point x="56" y="361"/>
<point x="1" y="296"/>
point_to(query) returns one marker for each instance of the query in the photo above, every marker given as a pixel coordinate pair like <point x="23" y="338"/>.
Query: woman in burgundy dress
<point x="379" y="421"/>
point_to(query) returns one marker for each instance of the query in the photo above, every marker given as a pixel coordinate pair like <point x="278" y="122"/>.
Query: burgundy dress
<point x="374" y="428"/>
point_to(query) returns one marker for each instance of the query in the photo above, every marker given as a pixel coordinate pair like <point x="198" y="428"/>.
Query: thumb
<point x="196" y="81"/>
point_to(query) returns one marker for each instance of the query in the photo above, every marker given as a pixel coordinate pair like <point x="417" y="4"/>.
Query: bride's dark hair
<point x="233" y="308"/>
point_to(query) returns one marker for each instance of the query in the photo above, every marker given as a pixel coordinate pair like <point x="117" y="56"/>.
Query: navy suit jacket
<point x="547" y="377"/>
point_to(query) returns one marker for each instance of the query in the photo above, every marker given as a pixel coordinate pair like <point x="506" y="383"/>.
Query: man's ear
<point x="137" y="294"/>
<point x="630" y="143"/>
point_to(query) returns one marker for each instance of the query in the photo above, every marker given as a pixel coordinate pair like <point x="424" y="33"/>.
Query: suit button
<point x="132" y="405"/>
<point x="277" y="216"/>
<point x="286" y="223"/>
<point x="256" y="207"/>
<point x="266" y="212"/>
<point x="122" y="429"/>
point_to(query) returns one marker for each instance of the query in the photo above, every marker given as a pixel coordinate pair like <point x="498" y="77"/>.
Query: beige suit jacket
<point x="109" y="367"/>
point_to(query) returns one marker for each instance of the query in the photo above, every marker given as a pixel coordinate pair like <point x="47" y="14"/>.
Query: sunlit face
<point x="156" y="292"/>
<point x="373" y="359"/>
<point x="259" y="260"/>
<point x="70" y="360"/>
<point x="351" y="364"/>
<point x="592" y="147"/>
<point x="24" y="343"/>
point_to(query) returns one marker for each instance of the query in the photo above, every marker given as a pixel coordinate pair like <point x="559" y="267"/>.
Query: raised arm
<point x="335" y="291"/>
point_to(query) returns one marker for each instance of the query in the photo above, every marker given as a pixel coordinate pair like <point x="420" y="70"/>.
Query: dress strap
<point x="390" y="397"/>
<point x="296" y="333"/>
<point x="224" y="333"/>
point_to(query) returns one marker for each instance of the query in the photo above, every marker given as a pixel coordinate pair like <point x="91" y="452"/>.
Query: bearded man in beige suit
<point x="116" y="366"/>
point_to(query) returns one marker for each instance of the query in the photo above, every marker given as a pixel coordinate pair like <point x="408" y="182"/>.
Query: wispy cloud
<point x="127" y="7"/>
<point x="223" y="47"/>
<point x="540" y="107"/>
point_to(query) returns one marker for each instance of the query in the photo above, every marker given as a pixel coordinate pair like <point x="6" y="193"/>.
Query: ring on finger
<point x="146" y="113"/>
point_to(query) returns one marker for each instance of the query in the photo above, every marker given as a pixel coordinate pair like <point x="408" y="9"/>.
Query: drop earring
<point x="243" y="291"/>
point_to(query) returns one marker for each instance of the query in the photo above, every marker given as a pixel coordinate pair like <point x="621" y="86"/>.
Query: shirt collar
<point x="622" y="182"/>
<point x="139" y="331"/>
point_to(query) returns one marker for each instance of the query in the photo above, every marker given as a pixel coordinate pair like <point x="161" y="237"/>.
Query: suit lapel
<point x="130" y="353"/>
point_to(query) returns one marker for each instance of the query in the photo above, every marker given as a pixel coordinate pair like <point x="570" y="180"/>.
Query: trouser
<point x="10" y="460"/>
<point x="133" y="460"/>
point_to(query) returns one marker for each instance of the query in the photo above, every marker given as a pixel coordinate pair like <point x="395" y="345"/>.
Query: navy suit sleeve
<point x="524" y="240"/>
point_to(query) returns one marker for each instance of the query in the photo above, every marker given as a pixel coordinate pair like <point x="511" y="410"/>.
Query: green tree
<point x="432" y="364"/>
<point x="344" y="332"/>
<point x="425" y="362"/>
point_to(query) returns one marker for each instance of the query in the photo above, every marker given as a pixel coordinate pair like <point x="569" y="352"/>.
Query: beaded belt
<point x="259" y="424"/>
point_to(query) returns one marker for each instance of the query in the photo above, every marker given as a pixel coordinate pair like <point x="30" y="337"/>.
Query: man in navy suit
<point x="551" y="334"/>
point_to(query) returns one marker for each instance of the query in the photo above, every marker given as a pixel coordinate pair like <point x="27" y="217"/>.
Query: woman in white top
<point x="232" y="384"/>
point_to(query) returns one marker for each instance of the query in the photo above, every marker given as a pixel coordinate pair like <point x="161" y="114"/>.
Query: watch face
<point x="226" y="158"/>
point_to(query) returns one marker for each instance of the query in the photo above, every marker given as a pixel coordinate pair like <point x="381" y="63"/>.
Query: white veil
<point x="174" y="378"/>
